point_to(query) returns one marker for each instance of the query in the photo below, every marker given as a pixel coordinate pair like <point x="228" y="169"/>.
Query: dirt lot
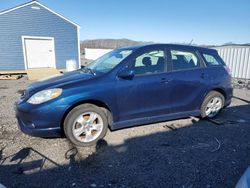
<point x="182" y="153"/>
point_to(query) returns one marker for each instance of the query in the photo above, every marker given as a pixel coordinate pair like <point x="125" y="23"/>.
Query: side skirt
<point x="152" y="119"/>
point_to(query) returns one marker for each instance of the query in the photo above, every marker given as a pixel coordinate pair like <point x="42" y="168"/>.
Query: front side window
<point x="108" y="61"/>
<point x="183" y="60"/>
<point x="212" y="59"/>
<point x="151" y="62"/>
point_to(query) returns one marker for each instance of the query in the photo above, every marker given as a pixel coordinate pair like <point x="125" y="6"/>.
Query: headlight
<point x="44" y="96"/>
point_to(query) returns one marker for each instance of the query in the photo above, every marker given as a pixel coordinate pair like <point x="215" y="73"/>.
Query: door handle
<point x="202" y="75"/>
<point x="165" y="80"/>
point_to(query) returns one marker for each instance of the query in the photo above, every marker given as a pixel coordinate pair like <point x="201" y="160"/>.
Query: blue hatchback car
<point x="126" y="87"/>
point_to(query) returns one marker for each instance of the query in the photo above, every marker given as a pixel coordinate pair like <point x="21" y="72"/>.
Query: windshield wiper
<point x="89" y="70"/>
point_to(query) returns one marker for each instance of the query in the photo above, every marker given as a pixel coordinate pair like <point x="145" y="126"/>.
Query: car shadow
<point x="199" y="154"/>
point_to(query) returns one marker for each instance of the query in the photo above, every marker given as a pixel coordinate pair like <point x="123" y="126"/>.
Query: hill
<point x="108" y="43"/>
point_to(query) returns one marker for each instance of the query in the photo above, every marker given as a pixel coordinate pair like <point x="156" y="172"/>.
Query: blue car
<point x="126" y="87"/>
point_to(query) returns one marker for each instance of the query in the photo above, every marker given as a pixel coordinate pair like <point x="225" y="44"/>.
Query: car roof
<point x="184" y="47"/>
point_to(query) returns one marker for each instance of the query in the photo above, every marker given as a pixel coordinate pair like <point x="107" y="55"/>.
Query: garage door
<point x="39" y="53"/>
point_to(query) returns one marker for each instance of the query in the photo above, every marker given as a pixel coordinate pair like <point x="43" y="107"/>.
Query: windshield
<point x="108" y="61"/>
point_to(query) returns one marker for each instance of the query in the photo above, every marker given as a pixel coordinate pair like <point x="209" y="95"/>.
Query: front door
<point x="147" y="94"/>
<point x="39" y="53"/>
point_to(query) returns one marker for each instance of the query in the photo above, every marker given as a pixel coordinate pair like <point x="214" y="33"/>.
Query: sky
<point x="211" y="22"/>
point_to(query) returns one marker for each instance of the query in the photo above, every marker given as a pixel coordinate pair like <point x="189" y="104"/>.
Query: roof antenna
<point x="191" y="42"/>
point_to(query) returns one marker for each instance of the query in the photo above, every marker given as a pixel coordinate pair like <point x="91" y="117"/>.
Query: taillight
<point x="227" y="69"/>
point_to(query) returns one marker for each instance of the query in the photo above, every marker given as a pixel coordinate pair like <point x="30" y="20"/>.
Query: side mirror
<point x="127" y="74"/>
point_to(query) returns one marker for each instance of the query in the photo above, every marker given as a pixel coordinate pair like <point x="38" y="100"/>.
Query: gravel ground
<point x="182" y="153"/>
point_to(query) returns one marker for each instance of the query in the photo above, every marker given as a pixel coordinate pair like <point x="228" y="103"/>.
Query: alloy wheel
<point x="213" y="107"/>
<point x="87" y="127"/>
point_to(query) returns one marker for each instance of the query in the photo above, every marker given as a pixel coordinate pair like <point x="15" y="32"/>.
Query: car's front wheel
<point x="212" y="104"/>
<point x="85" y="125"/>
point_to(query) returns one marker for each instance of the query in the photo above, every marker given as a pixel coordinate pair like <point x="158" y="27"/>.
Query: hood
<point x="55" y="80"/>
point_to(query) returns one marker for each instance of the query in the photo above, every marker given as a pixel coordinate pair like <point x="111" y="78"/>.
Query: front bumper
<point x="42" y="120"/>
<point x="38" y="132"/>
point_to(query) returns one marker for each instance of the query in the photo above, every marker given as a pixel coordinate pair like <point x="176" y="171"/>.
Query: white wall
<point x="237" y="59"/>
<point x="93" y="54"/>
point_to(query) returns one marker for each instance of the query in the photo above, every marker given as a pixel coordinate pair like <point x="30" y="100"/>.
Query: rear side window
<point x="213" y="59"/>
<point x="183" y="60"/>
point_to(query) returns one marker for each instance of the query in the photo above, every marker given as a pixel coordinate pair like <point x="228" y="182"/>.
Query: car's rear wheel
<point x="212" y="104"/>
<point x="85" y="125"/>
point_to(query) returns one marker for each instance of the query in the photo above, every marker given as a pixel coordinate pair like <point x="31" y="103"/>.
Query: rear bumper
<point x="229" y="94"/>
<point x="227" y="103"/>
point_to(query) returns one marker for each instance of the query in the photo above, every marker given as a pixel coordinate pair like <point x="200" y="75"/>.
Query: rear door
<point x="188" y="84"/>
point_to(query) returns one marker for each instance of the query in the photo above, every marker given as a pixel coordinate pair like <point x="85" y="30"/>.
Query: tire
<point x="85" y="125"/>
<point x="210" y="100"/>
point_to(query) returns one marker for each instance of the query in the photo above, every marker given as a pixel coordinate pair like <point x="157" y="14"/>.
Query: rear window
<point x="213" y="59"/>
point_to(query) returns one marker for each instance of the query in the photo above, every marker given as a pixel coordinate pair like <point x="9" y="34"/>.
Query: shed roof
<point x="38" y="3"/>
